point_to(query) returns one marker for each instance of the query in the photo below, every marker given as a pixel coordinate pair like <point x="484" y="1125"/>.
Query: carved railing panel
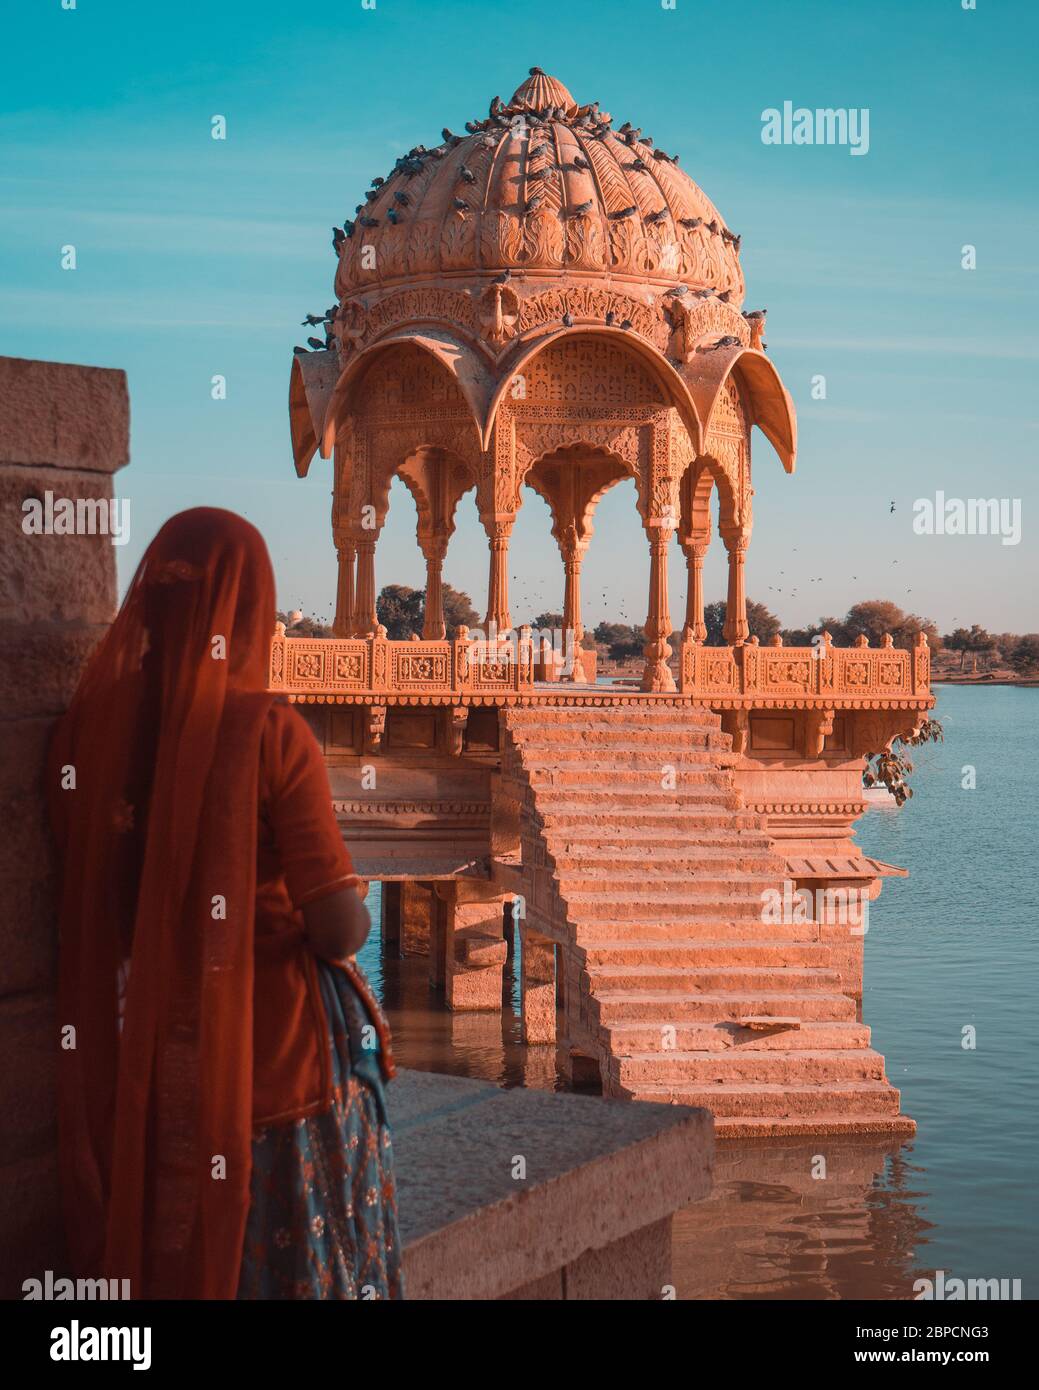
<point x="340" y="667"/>
<point x="816" y="675"/>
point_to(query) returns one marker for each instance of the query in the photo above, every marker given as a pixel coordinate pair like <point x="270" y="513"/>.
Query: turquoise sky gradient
<point x="198" y="257"/>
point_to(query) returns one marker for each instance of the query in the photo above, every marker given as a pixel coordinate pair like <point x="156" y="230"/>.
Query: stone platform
<point x="589" y="1219"/>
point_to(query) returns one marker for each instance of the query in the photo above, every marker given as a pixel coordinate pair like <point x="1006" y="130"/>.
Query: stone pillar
<point x="736" y="629"/>
<point x="366" y="618"/>
<point x="391" y="918"/>
<point x="439" y="927"/>
<point x="499" y="529"/>
<point x="657" y="674"/>
<point x="416" y="913"/>
<point x="695" y="627"/>
<point x="573" y="552"/>
<point x="434" y="548"/>
<point x="537" y="986"/>
<point x="64" y="430"/>
<point x="347" y="553"/>
<point x="475" y="951"/>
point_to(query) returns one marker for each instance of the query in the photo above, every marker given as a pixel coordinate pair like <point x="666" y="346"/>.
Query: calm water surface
<point x="953" y="947"/>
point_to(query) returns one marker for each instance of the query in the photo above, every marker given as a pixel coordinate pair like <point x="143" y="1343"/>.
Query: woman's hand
<point x="338" y="925"/>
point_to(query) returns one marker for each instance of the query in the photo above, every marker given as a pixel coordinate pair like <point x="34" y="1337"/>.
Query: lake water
<point x="952" y="948"/>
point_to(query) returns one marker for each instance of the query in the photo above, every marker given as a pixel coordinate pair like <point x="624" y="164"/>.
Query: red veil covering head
<point x="154" y="782"/>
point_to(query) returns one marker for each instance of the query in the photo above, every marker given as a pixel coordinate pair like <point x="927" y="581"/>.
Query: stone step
<point x="653" y="746"/>
<point x="705" y="952"/>
<point x="718" y="1006"/>
<point x="664" y="865"/>
<point x="669" y="890"/>
<point x="602" y="798"/>
<point x="793" y="1126"/>
<point x="589" y="778"/>
<point x="765" y="1100"/>
<point x="590" y="842"/>
<point x="713" y="979"/>
<point x="796" y="1066"/>
<point x="699" y="928"/>
<point x="585" y="908"/>
<point x="697" y="999"/>
<point x="686" y="820"/>
<point x="618" y="718"/>
<point x="627" y="1039"/>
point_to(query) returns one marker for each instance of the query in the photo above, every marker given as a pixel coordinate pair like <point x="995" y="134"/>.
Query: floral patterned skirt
<point x="323" y="1209"/>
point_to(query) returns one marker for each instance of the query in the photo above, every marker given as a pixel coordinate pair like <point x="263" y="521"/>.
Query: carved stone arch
<point x="417" y="486"/>
<point x="728" y="445"/>
<point x="697" y="485"/>
<point x="391" y="449"/>
<point x="724" y="468"/>
<point x="548" y="370"/>
<point x="411" y="376"/>
<point x="628" y="445"/>
<point x="572" y="480"/>
<point x="765" y="401"/>
<point x="437" y="479"/>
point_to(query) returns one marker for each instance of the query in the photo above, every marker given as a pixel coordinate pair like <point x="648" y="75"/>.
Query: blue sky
<point x="198" y="257"/>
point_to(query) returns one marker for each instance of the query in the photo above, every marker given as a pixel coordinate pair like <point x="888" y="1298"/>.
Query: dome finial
<point x="540" y="92"/>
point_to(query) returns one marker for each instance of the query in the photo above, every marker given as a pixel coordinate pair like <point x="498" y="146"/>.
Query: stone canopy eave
<point x="671" y="383"/>
<point x="312" y="379"/>
<point x="770" y="403"/>
<point x="469" y="372"/>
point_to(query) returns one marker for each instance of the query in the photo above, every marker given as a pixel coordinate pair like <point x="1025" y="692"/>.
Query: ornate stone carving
<point x="792" y="675"/>
<point x="499" y="310"/>
<point x="423" y="304"/>
<point x="589" y="370"/>
<point x="427" y="668"/>
<point x="693" y="319"/>
<point x="593" y="304"/>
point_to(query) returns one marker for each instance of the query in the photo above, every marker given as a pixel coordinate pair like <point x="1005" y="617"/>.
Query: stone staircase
<point x="658" y="870"/>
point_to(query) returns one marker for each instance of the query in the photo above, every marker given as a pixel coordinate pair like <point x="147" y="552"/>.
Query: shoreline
<point x="1031" y="681"/>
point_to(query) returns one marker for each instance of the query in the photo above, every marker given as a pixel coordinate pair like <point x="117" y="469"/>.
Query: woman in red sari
<point x="221" y="1117"/>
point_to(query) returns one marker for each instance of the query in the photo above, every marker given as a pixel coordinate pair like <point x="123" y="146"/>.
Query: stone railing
<point x="819" y="675"/>
<point x="357" y="668"/>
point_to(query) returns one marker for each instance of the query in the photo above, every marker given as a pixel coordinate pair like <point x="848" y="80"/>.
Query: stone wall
<point x="63" y="429"/>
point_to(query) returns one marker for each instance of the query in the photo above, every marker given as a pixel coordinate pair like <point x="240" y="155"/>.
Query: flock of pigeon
<point x="592" y="122"/>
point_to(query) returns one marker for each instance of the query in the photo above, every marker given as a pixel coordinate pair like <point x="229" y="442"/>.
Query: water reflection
<point x="770" y="1230"/>
<point x="429" y="1037"/>
<point x="781" y="1225"/>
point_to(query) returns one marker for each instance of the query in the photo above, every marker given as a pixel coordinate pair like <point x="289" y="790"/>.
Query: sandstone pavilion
<point x="548" y="301"/>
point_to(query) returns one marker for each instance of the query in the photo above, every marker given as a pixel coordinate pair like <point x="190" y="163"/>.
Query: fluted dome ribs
<point x="541" y="185"/>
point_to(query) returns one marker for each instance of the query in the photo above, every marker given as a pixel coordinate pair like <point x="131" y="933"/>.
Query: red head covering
<point x="154" y="789"/>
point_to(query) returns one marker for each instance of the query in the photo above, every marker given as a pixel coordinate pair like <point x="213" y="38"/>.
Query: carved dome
<point x="542" y="187"/>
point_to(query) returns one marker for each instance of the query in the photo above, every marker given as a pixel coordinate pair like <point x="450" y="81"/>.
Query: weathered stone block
<point x="62" y="415"/>
<point x="476" y="1222"/>
<point x="634" y="1268"/>
<point x="52" y="578"/>
<point x="40" y="665"/>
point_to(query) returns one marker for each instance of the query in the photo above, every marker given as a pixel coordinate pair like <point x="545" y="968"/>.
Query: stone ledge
<point x="599" y="1173"/>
